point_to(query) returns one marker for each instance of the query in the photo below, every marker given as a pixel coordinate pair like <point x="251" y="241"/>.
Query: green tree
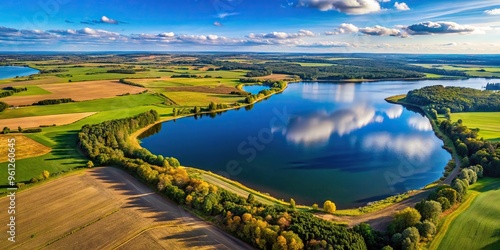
<point x="292" y="203"/>
<point x="19" y="129"/>
<point x="315" y="206"/>
<point x="6" y="130"/>
<point x="251" y="198"/>
<point x="45" y="174"/>
<point x="445" y="203"/>
<point x="431" y="210"/>
<point x="427" y="229"/>
<point x="405" y="218"/>
<point x="90" y="164"/>
<point x="450" y="194"/>
<point x="329" y="207"/>
<point x="462" y="149"/>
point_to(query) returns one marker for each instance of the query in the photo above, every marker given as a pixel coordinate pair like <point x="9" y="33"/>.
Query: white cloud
<point x="344" y="28"/>
<point x="428" y="28"/>
<point x="378" y="30"/>
<point x="226" y="14"/>
<point x="105" y="19"/>
<point x="492" y="12"/>
<point x="401" y="6"/>
<point x="352" y="7"/>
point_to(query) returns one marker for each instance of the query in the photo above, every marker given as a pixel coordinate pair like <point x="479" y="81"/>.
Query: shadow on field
<point x="66" y="148"/>
<point x="151" y="205"/>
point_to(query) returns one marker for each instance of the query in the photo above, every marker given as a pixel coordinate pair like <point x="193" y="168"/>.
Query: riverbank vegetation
<point x="414" y="227"/>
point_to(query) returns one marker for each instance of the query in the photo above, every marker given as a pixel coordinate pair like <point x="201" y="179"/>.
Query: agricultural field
<point x="487" y="122"/>
<point x="44" y="120"/>
<point x="100" y="197"/>
<point x="475" y="71"/>
<point x="77" y="91"/>
<point x="25" y="147"/>
<point x="477" y="227"/>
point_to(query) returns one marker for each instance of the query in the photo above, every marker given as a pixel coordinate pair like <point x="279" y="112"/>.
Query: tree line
<point x="457" y="99"/>
<point x="263" y="226"/>
<point x="493" y="86"/>
<point x="8" y="91"/>
<point x="54" y="101"/>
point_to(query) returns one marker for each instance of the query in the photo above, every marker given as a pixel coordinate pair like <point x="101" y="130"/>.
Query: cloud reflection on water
<point x="318" y="127"/>
<point x="337" y="93"/>
<point x="411" y="147"/>
<point x="420" y="123"/>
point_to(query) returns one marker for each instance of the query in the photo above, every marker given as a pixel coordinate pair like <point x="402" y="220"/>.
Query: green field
<point x="487" y="122"/>
<point x="477" y="227"/>
<point x="33" y="90"/>
<point x="119" y="102"/>
<point x="476" y="71"/>
<point x="316" y="64"/>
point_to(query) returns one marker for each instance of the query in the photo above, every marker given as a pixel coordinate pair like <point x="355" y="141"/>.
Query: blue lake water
<point x="13" y="71"/>
<point x="316" y="141"/>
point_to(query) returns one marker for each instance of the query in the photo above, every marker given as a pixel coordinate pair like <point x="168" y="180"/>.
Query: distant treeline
<point x="8" y="91"/>
<point x="493" y="86"/>
<point x="53" y="101"/>
<point x="257" y="73"/>
<point x="263" y="226"/>
<point x="457" y="99"/>
<point x="130" y="83"/>
<point x="3" y="106"/>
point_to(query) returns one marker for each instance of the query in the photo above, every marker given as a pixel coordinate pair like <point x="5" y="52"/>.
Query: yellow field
<point x="24" y="146"/>
<point x="78" y="91"/>
<point x="36" y="121"/>
<point x="106" y="208"/>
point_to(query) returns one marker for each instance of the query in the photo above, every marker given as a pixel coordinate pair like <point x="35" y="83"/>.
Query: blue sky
<point x="407" y="26"/>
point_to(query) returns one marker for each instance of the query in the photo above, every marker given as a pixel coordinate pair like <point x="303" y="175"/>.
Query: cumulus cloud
<point x="352" y="7"/>
<point x="492" y="12"/>
<point x="377" y="30"/>
<point x="344" y="28"/>
<point x="105" y="19"/>
<point x="401" y="6"/>
<point x="217" y="23"/>
<point x="102" y="20"/>
<point x="281" y="35"/>
<point x="429" y="28"/>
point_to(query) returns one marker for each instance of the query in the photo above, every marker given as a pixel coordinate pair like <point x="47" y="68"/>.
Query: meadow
<point x="487" y="122"/>
<point x="477" y="227"/>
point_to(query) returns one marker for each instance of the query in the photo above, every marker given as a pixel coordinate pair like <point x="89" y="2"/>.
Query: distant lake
<point x="316" y="141"/>
<point x="13" y="71"/>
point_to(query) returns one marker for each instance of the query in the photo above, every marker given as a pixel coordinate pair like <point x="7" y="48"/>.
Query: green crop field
<point x="129" y="101"/>
<point x="487" y="122"/>
<point x="315" y="64"/>
<point x="201" y="99"/>
<point x="32" y="90"/>
<point x="477" y="227"/>
<point x="477" y="71"/>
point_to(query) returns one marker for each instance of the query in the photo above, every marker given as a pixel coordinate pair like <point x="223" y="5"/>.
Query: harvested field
<point x="275" y="77"/>
<point x="204" y="89"/>
<point x="106" y="208"/>
<point x="78" y="91"/>
<point x="36" y="121"/>
<point x="25" y="147"/>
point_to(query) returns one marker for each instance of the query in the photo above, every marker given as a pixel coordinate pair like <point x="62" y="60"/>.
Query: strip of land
<point x="88" y="204"/>
<point x="44" y="120"/>
<point x="78" y="91"/>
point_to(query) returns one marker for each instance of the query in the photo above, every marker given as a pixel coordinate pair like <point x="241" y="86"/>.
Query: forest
<point x="457" y="99"/>
<point x="493" y="86"/>
<point x="263" y="226"/>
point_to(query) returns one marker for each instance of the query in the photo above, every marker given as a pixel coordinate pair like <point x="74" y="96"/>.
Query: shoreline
<point x="134" y="141"/>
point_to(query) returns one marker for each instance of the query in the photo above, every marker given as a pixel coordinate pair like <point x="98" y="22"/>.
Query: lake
<point x="316" y="141"/>
<point x="13" y="71"/>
